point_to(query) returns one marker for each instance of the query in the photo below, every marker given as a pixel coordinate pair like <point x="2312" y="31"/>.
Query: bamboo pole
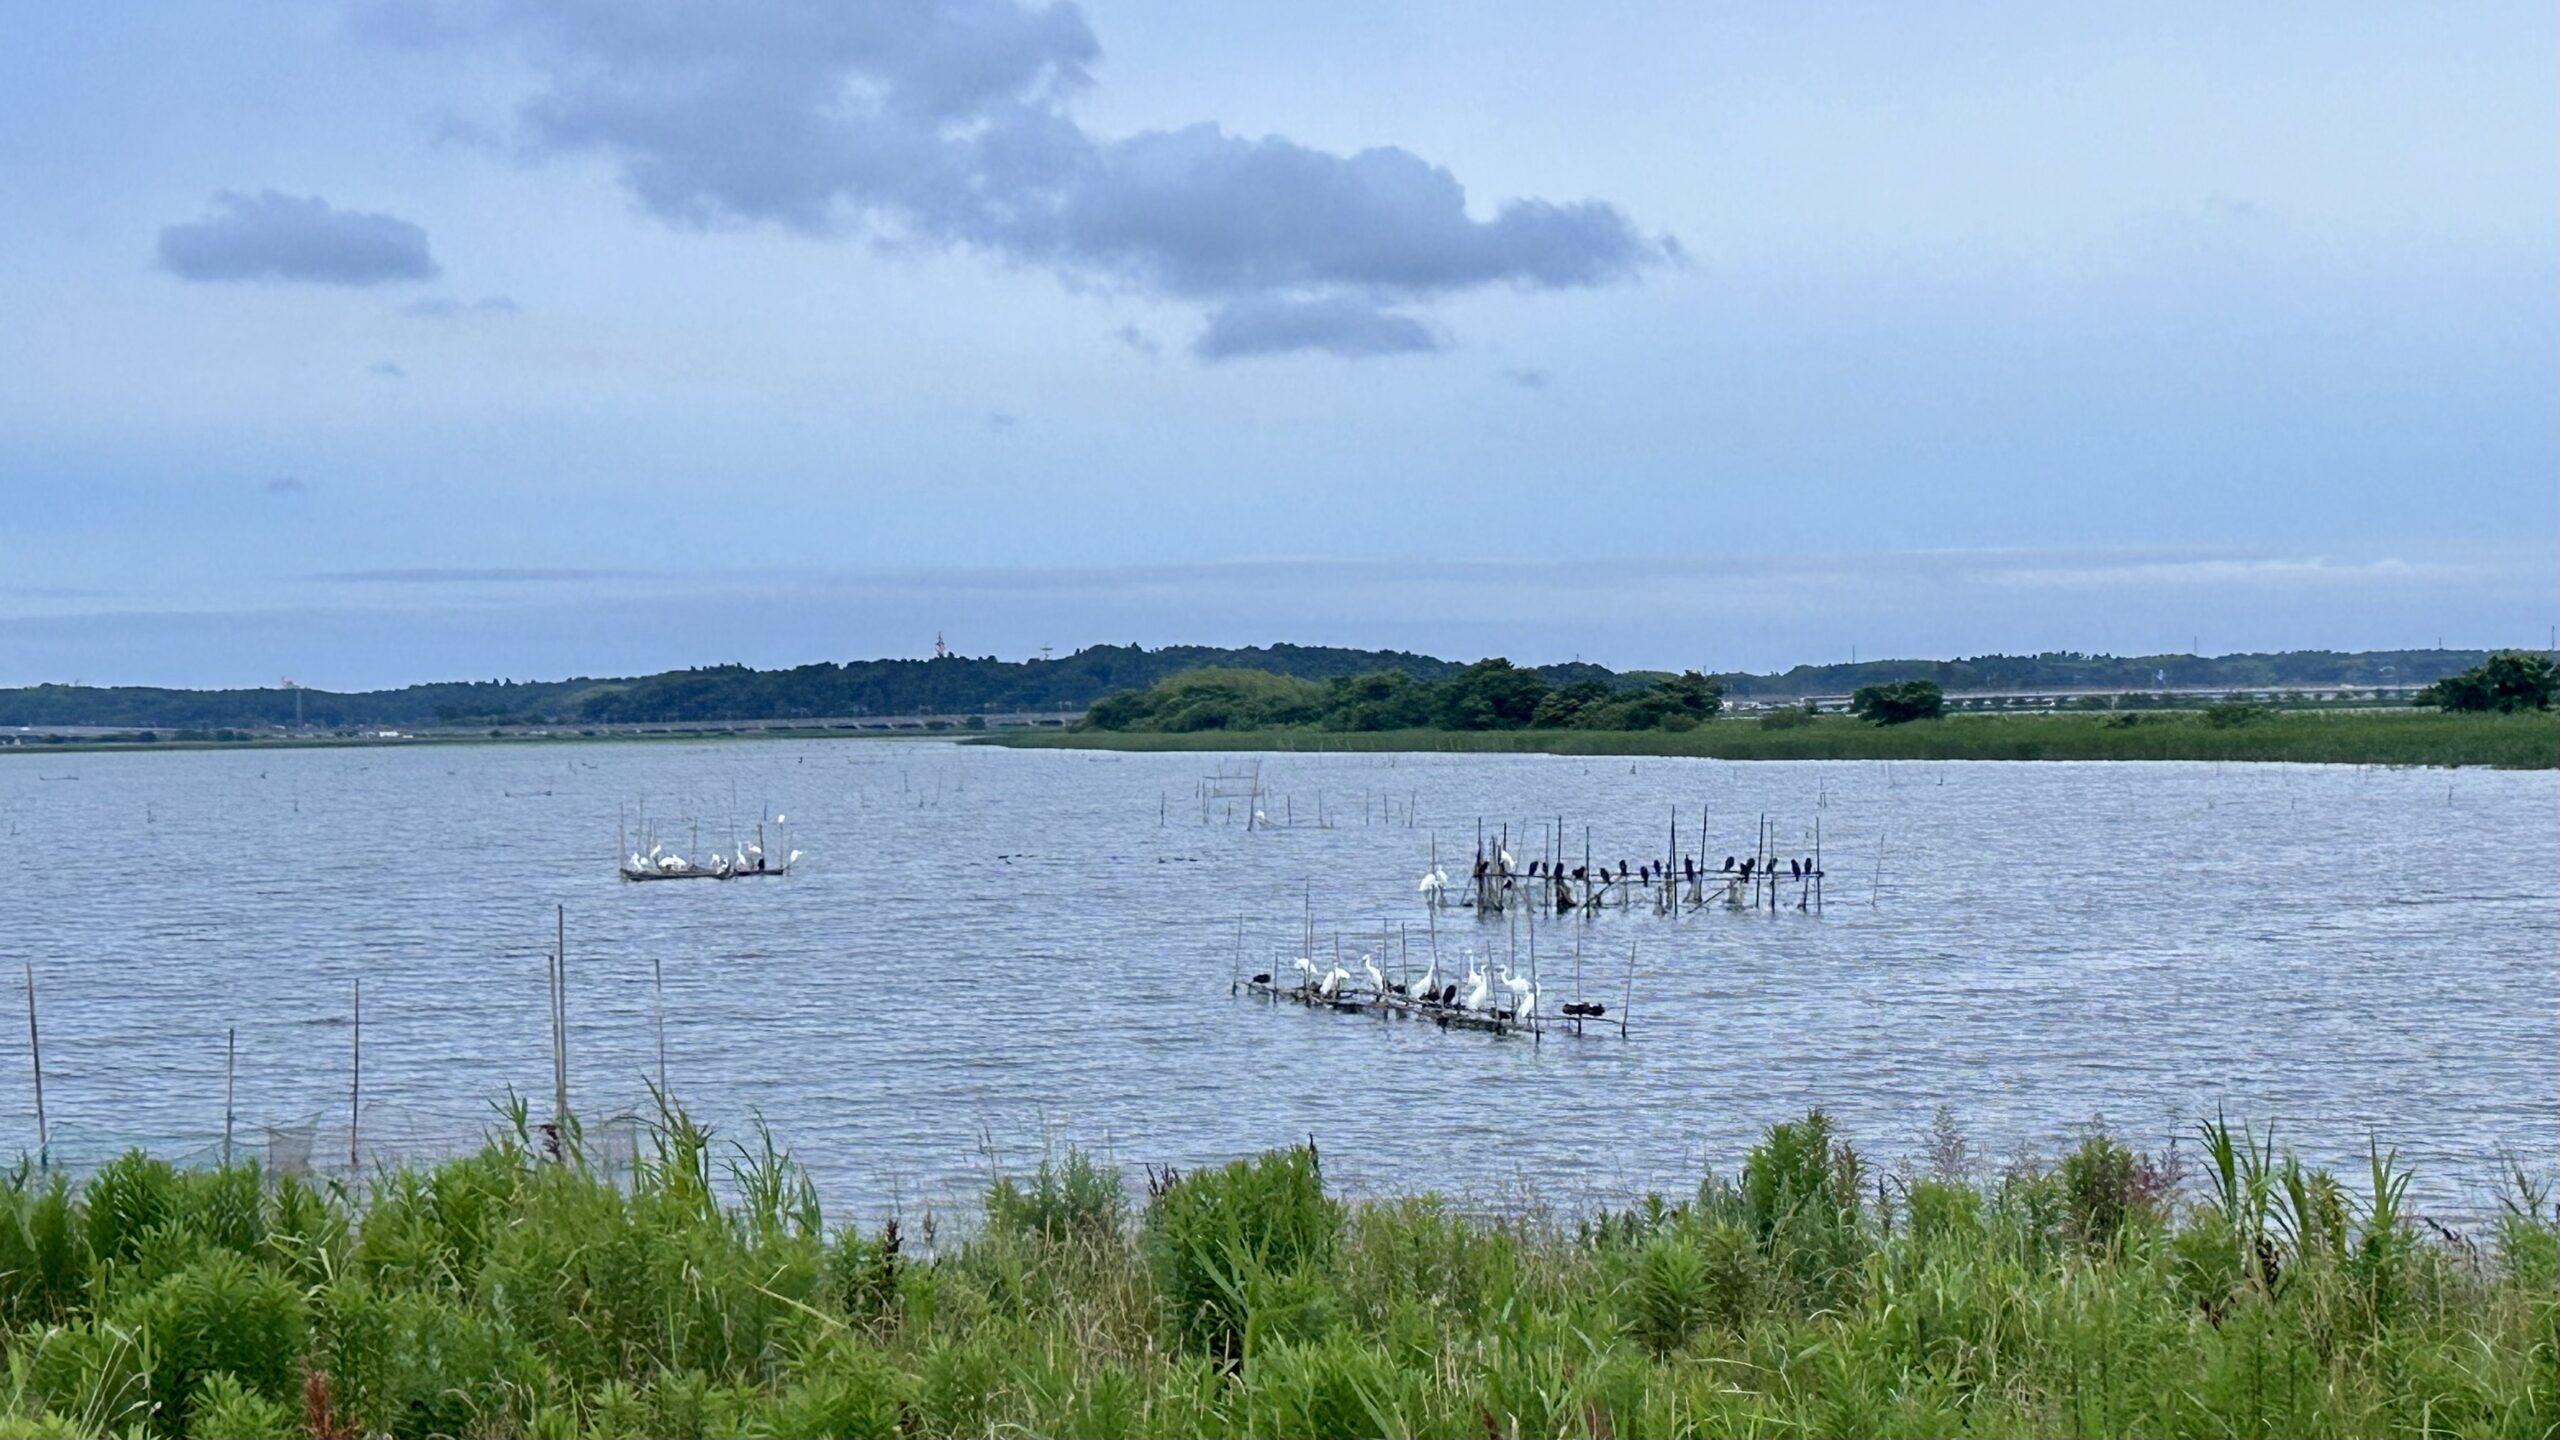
<point x="35" y="1058"/>
<point x="658" y="1004"/>
<point x="230" y="1069"/>
<point x="1629" y="1002"/>
<point x="560" y="1029"/>
<point x="355" y="1083"/>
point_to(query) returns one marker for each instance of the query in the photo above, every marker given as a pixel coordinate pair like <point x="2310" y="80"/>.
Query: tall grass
<point x="2527" y="741"/>
<point x="1810" y="1293"/>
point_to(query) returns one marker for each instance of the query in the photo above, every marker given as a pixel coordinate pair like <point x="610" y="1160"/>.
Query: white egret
<point x="1377" y="980"/>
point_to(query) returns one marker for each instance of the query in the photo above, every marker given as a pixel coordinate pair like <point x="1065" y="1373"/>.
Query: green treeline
<point x="961" y="685"/>
<point x="2399" y="736"/>
<point x="1488" y="695"/>
<point x="1808" y="1293"/>
<point x="2071" y="670"/>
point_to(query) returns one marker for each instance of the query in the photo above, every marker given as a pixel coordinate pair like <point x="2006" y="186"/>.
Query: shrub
<point x="1065" y="1198"/>
<point x="2508" y="681"/>
<point x="863" y="1273"/>
<point x="219" y="1314"/>
<point x="1799" y="1199"/>
<point x="2100" y="1194"/>
<point x="225" y="1409"/>
<point x="1234" y="1250"/>
<point x="1339" y="1385"/>
<point x="1789" y="717"/>
<point x="1898" y="702"/>
<point x="843" y="1389"/>
<point x="1796" y="1170"/>
<point x="1668" y="1296"/>
<point x="44" y="1251"/>
<point x="2230" y="714"/>
<point x="129" y="1197"/>
<point x="1942" y="1211"/>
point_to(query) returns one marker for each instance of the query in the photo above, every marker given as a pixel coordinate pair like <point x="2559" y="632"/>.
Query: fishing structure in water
<point x="1496" y="997"/>
<point x="747" y="859"/>
<point x="1671" y="883"/>
<point x="1237" y="795"/>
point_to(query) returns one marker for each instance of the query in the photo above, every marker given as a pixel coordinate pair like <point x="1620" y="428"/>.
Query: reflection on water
<point x="986" y="943"/>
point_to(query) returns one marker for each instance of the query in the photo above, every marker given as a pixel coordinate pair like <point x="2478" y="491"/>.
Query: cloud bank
<point x="272" y="236"/>
<point x="946" y="124"/>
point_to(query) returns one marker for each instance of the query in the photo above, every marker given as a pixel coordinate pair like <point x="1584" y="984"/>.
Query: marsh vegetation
<point x="1809" y="1292"/>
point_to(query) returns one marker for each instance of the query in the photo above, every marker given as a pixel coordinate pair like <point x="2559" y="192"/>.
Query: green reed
<point x="1810" y="1293"/>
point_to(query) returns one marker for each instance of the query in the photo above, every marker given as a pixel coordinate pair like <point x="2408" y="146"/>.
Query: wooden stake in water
<point x="35" y="1057"/>
<point x="560" y="1027"/>
<point x="1629" y="1002"/>
<point x="230" y="1069"/>
<point x="355" y="1081"/>
<point x="658" y="1002"/>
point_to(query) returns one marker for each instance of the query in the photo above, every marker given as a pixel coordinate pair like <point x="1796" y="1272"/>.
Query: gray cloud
<point x="1335" y="324"/>
<point x="1138" y="340"/>
<point x="287" y="485"/>
<point x="1528" y="379"/>
<point x="945" y="124"/>
<point x="270" y="236"/>
<point x="386" y="370"/>
<point x="445" y="307"/>
<point x="999" y="421"/>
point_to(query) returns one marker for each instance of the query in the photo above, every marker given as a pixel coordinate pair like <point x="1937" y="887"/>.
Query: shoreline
<point x="2402" y="738"/>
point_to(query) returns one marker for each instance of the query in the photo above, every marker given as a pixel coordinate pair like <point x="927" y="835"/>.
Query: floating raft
<point x="704" y="872"/>
<point x="1390" y="1006"/>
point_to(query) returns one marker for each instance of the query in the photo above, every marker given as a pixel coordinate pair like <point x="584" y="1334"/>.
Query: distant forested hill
<point x="954" y="685"/>
<point x="960" y="685"/>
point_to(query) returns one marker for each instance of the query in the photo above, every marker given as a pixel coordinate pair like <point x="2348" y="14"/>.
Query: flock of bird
<point x="1503" y="870"/>
<point x="750" y="857"/>
<point x="1497" y="993"/>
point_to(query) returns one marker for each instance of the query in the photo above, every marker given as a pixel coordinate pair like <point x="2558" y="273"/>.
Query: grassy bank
<point x="509" y="1295"/>
<point x="2335" y="737"/>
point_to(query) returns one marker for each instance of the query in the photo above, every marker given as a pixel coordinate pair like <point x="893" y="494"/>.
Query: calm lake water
<point x="987" y="948"/>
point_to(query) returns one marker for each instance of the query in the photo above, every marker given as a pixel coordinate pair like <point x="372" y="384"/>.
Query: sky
<point x="366" y="344"/>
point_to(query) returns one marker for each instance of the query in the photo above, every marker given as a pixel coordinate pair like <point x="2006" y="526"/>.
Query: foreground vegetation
<point x="2524" y="741"/>
<point x="506" y="1294"/>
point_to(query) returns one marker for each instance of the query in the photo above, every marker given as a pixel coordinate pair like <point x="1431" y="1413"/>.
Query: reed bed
<point x="2527" y="741"/>
<point x="1807" y="1294"/>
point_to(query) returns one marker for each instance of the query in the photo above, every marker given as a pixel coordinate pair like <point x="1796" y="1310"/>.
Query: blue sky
<point x="374" y="344"/>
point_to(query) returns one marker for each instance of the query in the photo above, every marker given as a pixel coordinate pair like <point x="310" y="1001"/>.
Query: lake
<point x="986" y="949"/>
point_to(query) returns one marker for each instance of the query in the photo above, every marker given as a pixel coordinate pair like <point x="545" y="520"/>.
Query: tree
<point x="1491" y="695"/>
<point x="1899" y="702"/>
<point x="2508" y="681"/>
<point x="1690" y="693"/>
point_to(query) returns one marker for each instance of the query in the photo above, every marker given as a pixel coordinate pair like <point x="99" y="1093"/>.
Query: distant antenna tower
<point x="940" y="650"/>
<point x="295" y="686"/>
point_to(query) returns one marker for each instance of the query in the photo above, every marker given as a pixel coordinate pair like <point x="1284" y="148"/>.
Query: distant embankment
<point x="2528" y="741"/>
